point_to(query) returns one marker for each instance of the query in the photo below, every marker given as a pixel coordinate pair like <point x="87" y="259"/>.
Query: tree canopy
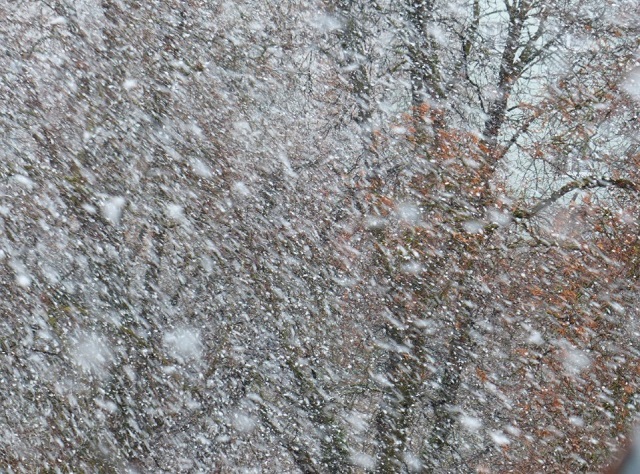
<point x="319" y="235"/>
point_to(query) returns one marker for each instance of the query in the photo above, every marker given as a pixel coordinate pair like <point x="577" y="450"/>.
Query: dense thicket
<point x="318" y="236"/>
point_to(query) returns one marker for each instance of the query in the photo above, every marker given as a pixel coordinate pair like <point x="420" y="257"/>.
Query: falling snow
<point x="319" y="236"/>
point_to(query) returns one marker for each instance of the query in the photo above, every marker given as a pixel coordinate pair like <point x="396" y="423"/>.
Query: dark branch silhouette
<point x="589" y="182"/>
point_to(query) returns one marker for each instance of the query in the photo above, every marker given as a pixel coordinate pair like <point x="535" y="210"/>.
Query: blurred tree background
<point x="318" y="236"/>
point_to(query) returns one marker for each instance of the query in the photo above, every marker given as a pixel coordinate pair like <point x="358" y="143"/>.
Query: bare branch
<point x="589" y="182"/>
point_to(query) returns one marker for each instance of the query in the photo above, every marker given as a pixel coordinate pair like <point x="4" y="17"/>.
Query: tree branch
<point x="590" y="182"/>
